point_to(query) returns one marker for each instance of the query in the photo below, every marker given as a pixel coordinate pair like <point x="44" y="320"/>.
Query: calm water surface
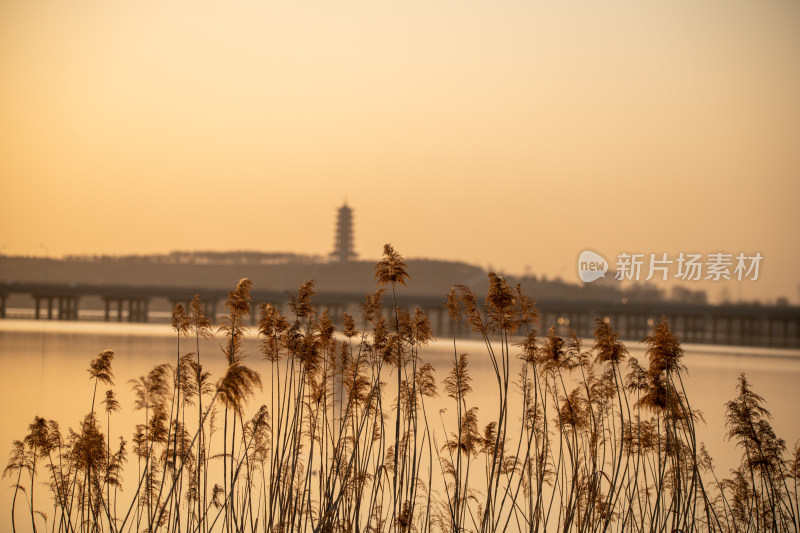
<point x="43" y="373"/>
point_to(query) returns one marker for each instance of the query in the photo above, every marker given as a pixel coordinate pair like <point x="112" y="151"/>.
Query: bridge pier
<point x="3" y="299"/>
<point x="769" y="332"/>
<point x="689" y="327"/>
<point x="107" y="302"/>
<point x="68" y="308"/>
<point x="746" y="331"/>
<point x="586" y="324"/>
<point x="137" y="310"/>
<point x="784" y="329"/>
<point x="66" y="305"/>
<point x="624" y="325"/>
<point x="784" y="333"/>
<point x="209" y="307"/>
<point x="137" y="307"/>
<point x="729" y="331"/>
<point x="254" y="313"/>
<point x="714" y="330"/>
<point x="642" y="326"/>
<point x="722" y="329"/>
<point x="37" y="312"/>
<point x="778" y="335"/>
<point x="620" y="324"/>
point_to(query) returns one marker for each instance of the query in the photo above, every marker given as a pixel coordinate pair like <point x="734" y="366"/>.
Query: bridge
<point x="744" y="324"/>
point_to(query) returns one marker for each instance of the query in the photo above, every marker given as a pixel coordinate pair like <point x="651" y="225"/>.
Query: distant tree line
<point x="238" y="257"/>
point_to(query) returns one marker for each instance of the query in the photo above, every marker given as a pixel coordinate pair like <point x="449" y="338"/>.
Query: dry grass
<point x="604" y="444"/>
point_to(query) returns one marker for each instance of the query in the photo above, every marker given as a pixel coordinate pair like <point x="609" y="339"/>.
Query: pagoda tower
<point x="343" y="244"/>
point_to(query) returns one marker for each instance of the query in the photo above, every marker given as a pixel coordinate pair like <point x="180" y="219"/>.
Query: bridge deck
<point x="751" y="325"/>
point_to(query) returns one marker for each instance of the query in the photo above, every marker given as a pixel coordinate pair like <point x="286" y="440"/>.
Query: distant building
<point x="343" y="243"/>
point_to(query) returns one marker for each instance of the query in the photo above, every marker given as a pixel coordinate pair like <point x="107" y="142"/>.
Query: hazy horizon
<point x="512" y="135"/>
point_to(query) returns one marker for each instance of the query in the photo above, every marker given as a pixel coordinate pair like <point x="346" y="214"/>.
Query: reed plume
<point x="392" y="269"/>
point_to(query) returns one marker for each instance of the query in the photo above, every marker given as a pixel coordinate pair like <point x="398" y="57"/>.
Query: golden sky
<point x="507" y="133"/>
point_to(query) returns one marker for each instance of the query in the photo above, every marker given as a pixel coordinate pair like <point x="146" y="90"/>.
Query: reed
<point x="578" y="438"/>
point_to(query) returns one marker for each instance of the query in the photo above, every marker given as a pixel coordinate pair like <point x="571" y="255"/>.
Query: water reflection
<point x="44" y="373"/>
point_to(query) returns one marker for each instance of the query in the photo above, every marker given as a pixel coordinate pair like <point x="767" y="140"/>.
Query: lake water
<point x="43" y="372"/>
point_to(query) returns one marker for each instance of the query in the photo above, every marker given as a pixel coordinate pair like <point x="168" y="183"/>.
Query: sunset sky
<point x="509" y="133"/>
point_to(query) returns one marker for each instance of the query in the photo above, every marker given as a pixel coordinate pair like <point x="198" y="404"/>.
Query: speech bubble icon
<point x="591" y="266"/>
